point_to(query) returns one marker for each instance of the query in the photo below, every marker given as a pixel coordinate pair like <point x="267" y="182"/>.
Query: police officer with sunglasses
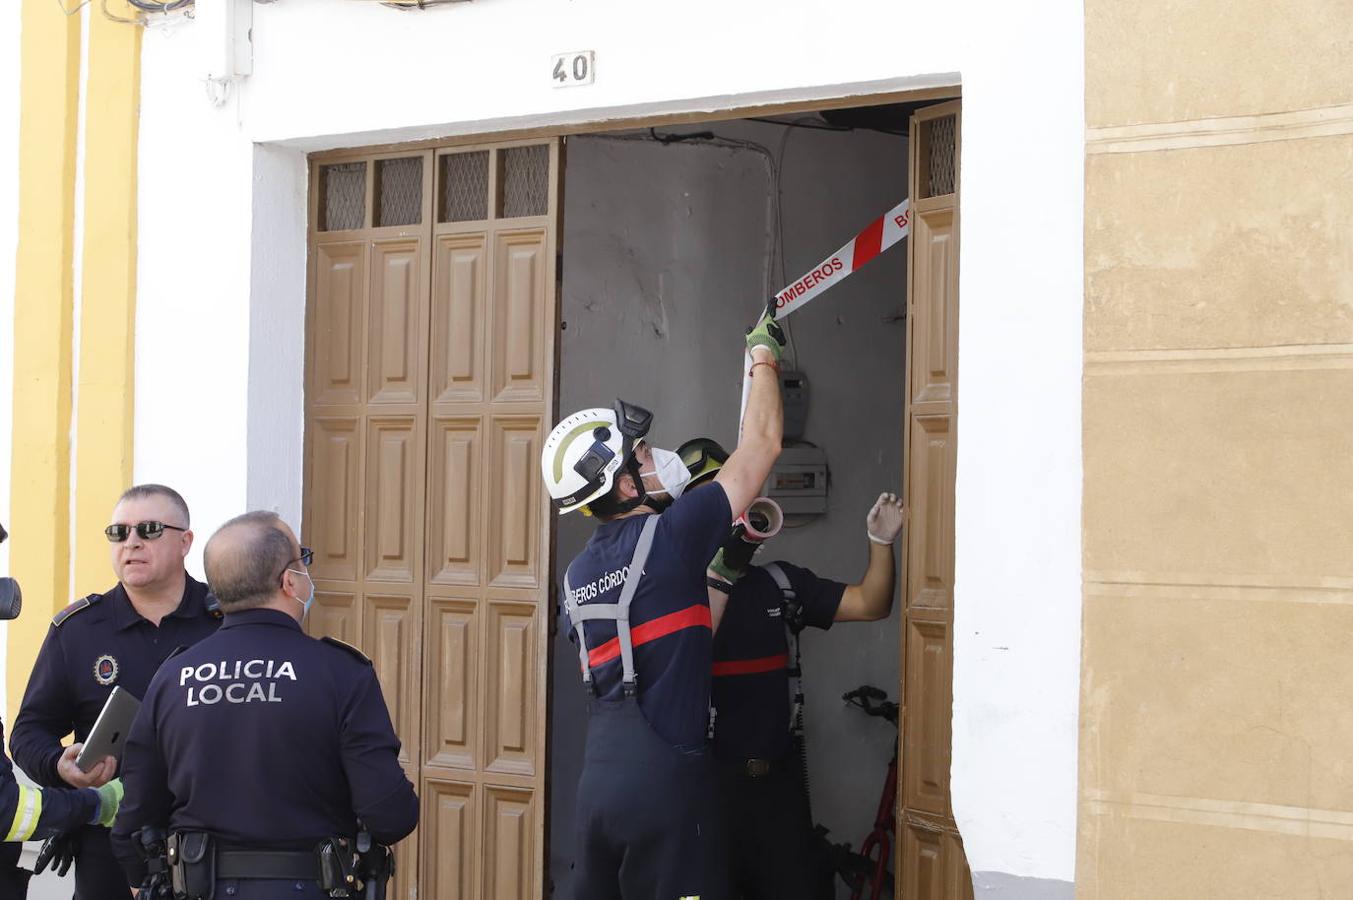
<point x="101" y="641"/>
<point x="260" y="750"/>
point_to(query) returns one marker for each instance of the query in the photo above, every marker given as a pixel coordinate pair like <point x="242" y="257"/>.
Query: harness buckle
<point x="631" y="687"/>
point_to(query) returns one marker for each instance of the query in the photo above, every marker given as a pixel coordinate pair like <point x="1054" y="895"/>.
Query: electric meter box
<point x="794" y="391"/>
<point x="798" y="482"/>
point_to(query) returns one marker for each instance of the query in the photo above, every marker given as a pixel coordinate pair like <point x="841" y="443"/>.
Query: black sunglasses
<point x="307" y="555"/>
<point x="148" y="531"/>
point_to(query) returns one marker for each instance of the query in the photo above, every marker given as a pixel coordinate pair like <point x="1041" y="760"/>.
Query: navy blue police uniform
<point x="95" y="644"/>
<point x="271" y="741"/>
<point x="28" y="813"/>
<point x="772" y="852"/>
<point x="647" y="819"/>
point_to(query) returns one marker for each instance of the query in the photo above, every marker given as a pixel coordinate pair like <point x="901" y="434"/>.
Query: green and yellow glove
<point x="719" y="566"/>
<point x="767" y="333"/>
<point x="110" y="798"/>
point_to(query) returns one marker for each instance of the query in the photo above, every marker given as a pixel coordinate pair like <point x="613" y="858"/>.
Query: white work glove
<point x="884" y="522"/>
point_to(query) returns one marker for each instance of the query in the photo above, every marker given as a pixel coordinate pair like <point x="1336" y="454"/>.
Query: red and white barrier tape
<point x="881" y="234"/>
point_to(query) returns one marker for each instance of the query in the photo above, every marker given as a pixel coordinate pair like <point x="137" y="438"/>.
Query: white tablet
<point x="110" y="730"/>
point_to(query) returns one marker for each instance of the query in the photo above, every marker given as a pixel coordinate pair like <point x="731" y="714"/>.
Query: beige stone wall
<point x="1217" y="690"/>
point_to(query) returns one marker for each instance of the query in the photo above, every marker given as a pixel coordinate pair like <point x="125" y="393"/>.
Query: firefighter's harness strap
<point x="793" y="619"/>
<point x="793" y="612"/>
<point x="619" y="612"/>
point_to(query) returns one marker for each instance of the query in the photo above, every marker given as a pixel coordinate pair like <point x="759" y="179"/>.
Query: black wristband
<point x="737" y="550"/>
<point x="719" y="584"/>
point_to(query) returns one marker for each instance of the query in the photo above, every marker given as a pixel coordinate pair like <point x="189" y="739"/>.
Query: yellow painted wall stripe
<point x="104" y="424"/>
<point x="49" y="79"/>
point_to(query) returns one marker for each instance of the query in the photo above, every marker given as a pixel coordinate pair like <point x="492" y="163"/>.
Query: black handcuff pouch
<point x="192" y="865"/>
<point x="337" y="866"/>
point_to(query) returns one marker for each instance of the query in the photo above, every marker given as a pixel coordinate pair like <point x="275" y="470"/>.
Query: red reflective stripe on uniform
<point x="690" y="617"/>
<point x="868" y="244"/>
<point x="751" y="666"/>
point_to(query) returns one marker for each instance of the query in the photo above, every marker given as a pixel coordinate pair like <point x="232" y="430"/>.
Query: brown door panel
<point x="925" y="787"/>
<point x="431" y="336"/>
<point x="459" y="302"/>
<point x="516" y="502"/>
<point x="388" y="629"/>
<point x="337" y="317"/>
<point x="930" y="542"/>
<point x="450" y="834"/>
<point x="398" y="320"/>
<point x="923" y="869"/>
<point x="511" y="692"/>
<point x="451" y="700"/>
<point x="929" y="853"/>
<point x="935" y="363"/>
<point x="454" y="537"/>
<point x="510" y="834"/>
<point x="393" y="497"/>
<point x="333" y="502"/>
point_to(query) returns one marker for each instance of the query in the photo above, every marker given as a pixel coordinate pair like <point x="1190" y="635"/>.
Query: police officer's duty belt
<point x="285" y="864"/>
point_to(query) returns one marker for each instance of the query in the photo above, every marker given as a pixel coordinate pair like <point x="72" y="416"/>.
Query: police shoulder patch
<point x="346" y="647"/>
<point x="82" y="603"/>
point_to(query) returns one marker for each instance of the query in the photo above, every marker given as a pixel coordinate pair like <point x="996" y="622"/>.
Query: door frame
<point x="935" y="94"/>
<point x="657" y="120"/>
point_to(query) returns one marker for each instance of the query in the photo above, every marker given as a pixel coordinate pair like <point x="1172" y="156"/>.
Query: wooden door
<point x="429" y="383"/>
<point x="930" y="861"/>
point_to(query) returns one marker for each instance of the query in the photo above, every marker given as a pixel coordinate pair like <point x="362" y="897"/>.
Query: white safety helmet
<point x="585" y="451"/>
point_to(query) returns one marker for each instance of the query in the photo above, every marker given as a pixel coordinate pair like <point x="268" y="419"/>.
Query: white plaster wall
<point x="348" y="73"/>
<point x="193" y="320"/>
<point x="9" y="244"/>
<point x="329" y="74"/>
<point x="1018" y="556"/>
<point x="276" y="414"/>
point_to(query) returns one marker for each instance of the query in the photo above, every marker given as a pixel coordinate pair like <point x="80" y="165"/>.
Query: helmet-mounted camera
<point x="633" y="421"/>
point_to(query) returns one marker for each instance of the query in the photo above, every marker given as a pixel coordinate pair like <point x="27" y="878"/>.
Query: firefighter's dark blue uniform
<point x="647" y="821"/>
<point x="34" y="813"/>
<point x="95" y="644"/>
<point x="270" y="740"/>
<point x="761" y="787"/>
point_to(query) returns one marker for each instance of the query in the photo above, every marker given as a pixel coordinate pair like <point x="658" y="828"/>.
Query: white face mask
<point x="671" y="471"/>
<point x="309" y="601"/>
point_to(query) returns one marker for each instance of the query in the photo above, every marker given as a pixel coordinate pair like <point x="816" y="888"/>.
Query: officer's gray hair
<point x="249" y="576"/>
<point x="138" y="491"/>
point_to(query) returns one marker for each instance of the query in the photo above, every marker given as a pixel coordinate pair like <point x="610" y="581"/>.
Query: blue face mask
<point x="309" y="601"/>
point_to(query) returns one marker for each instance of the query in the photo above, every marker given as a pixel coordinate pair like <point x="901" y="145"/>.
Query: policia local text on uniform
<point x="265" y="754"/>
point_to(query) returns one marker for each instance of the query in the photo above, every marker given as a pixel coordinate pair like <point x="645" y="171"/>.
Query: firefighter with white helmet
<point x="638" y="604"/>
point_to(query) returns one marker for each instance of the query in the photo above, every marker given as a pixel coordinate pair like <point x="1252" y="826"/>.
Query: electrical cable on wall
<point x="161" y="6"/>
<point x="710" y="139"/>
<point x="407" y="5"/>
<point x="142" y="6"/>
